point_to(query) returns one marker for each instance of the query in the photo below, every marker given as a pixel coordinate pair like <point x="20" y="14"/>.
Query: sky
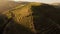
<point x="43" y="1"/>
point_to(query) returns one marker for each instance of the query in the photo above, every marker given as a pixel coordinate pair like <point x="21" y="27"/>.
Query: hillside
<point x="31" y="18"/>
<point x="4" y="6"/>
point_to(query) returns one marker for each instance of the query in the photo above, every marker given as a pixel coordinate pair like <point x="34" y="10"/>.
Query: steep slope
<point x="21" y="16"/>
<point x="32" y="18"/>
<point x="8" y="5"/>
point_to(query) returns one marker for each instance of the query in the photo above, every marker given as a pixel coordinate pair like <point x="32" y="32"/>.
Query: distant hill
<point x="57" y="5"/>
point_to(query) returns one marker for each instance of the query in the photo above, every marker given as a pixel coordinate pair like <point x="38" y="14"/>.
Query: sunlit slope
<point x="22" y="15"/>
<point x="6" y="7"/>
<point x="40" y="18"/>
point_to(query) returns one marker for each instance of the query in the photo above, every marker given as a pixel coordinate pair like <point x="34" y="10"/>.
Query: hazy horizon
<point x="42" y="1"/>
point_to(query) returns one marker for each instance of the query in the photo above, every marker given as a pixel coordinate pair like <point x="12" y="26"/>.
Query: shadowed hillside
<point x="46" y="19"/>
<point x="32" y="18"/>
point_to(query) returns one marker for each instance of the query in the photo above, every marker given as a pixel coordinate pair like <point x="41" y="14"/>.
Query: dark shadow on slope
<point x="9" y="26"/>
<point x="3" y="22"/>
<point x="58" y="13"/>
<point x="14" y="28"/>
<point x="45" y="19"/>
